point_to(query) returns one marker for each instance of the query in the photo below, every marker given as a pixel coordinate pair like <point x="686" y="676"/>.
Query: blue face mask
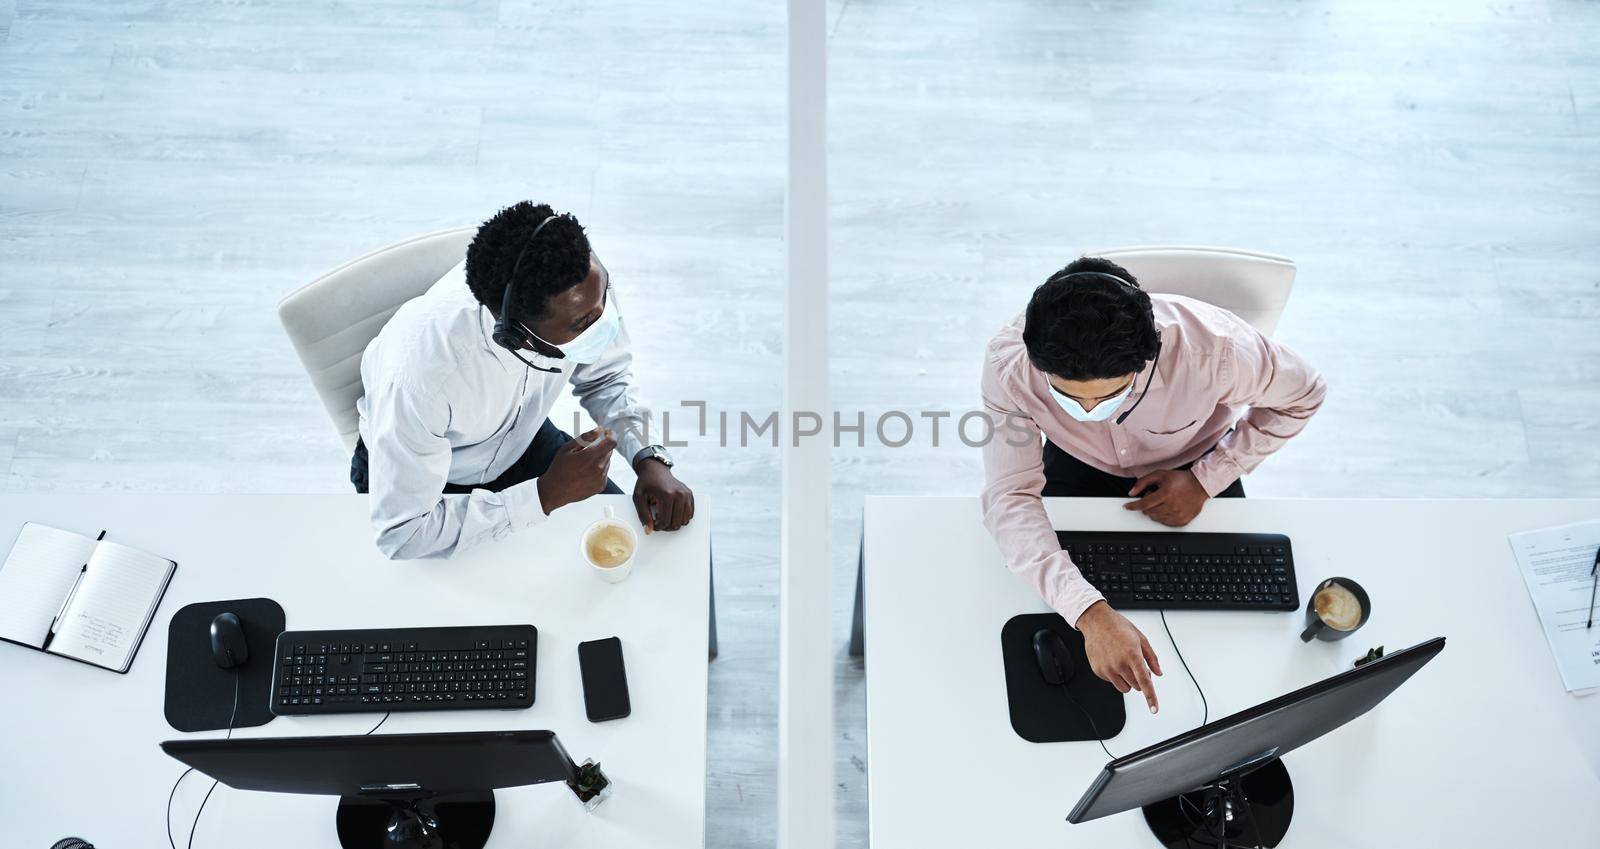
<point x="1102" y="411"/>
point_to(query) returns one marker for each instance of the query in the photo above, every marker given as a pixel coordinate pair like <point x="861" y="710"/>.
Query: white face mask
<point x="1102" y="411"/>
<point x="592" y="343"/>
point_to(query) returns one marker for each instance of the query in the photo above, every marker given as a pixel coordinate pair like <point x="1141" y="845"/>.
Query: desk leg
<point x="857" y="641"/>
<point x="712" y="589"/>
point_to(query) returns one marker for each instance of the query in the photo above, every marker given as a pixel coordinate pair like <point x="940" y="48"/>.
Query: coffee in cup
<point x="1337" y="608"/>
<point x="609" y="544"/>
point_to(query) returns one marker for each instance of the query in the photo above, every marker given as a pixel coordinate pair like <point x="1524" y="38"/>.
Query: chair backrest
<point x="331" y="319"/>
<point x="1253" y="286"/>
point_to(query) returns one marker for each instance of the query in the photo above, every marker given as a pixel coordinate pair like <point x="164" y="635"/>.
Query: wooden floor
<point x="168" y="170"/>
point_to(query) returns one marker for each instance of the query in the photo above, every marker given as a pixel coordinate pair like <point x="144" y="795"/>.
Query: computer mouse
<point x="1055" y="659"/>
<point x="227" y="641"/>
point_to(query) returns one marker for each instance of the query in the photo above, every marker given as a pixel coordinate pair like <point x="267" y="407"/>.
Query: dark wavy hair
<point x="1089" y="328"/>
<point x="558" y="261"/>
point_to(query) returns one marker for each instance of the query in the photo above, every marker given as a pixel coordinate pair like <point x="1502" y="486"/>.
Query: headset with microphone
<point x="509" y="332"/>
<point x="1155" y="361"/>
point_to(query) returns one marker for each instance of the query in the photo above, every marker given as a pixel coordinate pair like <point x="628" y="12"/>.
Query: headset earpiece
<point x="506" y="334"/>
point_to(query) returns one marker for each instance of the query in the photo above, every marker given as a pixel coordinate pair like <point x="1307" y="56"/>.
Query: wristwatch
<point x="653" y="452"/>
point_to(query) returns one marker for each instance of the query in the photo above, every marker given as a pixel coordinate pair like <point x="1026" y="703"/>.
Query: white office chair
<point x="331" y="319"/>
<point x="1253" y="286"/>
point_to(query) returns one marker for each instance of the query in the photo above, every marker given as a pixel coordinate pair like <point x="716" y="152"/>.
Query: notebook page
<point x="113" y="606"/>
<point x="36" y="578"/>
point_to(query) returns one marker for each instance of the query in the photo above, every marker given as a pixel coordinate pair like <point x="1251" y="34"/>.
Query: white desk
<point x="1483" y="747"/>
<point x="79" y="754"/>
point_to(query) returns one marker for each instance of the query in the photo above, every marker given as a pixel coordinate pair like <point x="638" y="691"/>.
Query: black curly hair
<point x="1089" y="328"/>
<point x="557" y="262"/>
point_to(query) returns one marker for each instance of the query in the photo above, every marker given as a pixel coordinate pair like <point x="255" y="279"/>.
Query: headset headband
<point x="509" y="331"/>
<point x="1060" y="276"/>
<point x="505" y="303"/>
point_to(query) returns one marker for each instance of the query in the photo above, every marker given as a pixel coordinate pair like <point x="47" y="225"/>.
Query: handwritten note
<point x="1556" y="564"/>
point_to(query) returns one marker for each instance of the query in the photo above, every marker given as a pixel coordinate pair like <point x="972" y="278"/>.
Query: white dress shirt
<point x="445" y="404"/>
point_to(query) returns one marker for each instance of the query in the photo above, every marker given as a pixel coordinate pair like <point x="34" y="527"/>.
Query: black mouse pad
<point x="200" y="693"/>
<point x="1040" y="711"/>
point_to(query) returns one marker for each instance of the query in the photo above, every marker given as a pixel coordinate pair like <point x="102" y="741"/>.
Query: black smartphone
<point x="605" y="683"/>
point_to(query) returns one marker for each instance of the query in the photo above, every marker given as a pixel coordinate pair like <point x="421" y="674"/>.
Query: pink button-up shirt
<point x="1212" y="367"/>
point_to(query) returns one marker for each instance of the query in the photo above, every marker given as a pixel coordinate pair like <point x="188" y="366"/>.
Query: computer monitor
<point x="397" y="790"/>
<point x="1223" y="784"/>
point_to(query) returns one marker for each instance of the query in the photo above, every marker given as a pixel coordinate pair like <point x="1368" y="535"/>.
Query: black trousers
<point x="1066" y="475"/>
<point x="530" y="465"/>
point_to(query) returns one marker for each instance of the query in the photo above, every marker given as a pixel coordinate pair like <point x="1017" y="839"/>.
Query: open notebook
<point x="96" y="597"/>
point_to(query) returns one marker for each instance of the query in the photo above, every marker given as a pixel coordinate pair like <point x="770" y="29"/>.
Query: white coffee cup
<point x="619" y="535"/>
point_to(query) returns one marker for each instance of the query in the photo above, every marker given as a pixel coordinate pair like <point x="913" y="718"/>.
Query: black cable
<point x="1100" y="738"/>
<point x="232" y="715"/>
<point x="1254" y="826"/>
<point x="375" y="727"/>
<point x="1205" y="707"/>
<point x="170" y="841"/>
<point x="199" y="812"/>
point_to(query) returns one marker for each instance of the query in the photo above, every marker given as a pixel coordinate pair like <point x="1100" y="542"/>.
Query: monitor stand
<point x="447" y="821"/>
<point x="1244" y="809"/>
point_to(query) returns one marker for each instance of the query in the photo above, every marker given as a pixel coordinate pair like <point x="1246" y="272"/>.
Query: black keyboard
<point x="1186" y="571"/>
<point x="362" y="671"/>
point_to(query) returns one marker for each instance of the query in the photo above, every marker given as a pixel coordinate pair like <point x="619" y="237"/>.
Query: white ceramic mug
<point x="610" y="574"/>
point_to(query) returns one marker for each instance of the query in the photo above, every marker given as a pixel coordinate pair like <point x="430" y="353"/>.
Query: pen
<point x="67" y="602"/>
<point x="1594" y="572"/>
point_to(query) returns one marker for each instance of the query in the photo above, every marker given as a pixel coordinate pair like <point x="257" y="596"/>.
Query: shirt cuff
<point x="628" y="445"/>
<point x="523" y="504"/>
<point x="1216" y="471"/>
<point x="1074" y="594"/>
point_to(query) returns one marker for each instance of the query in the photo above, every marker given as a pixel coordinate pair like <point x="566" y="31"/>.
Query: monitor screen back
<point x="1199" y="757"/>
<point x="341" y="766"/>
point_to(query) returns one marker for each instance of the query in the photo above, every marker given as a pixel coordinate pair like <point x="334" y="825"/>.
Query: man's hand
<point x="1177" y="498"/>
<point x="1118" y="652"/>
<point x="663" y="502"/>
<point x="578" y="470"/>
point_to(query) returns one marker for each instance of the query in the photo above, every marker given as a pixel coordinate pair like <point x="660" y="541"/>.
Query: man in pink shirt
<point x="1136" y="396"/>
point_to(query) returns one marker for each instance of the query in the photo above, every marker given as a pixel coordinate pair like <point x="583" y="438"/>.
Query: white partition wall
<point x="805" y="672"/>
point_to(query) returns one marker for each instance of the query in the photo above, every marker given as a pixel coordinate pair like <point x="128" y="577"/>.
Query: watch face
<point x="655" y="452"/>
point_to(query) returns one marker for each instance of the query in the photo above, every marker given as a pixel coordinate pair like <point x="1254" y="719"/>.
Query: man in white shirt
<point x="456" y="447"/>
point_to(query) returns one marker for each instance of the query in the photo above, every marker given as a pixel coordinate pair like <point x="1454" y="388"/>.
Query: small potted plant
<point x="590" y="785"/>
